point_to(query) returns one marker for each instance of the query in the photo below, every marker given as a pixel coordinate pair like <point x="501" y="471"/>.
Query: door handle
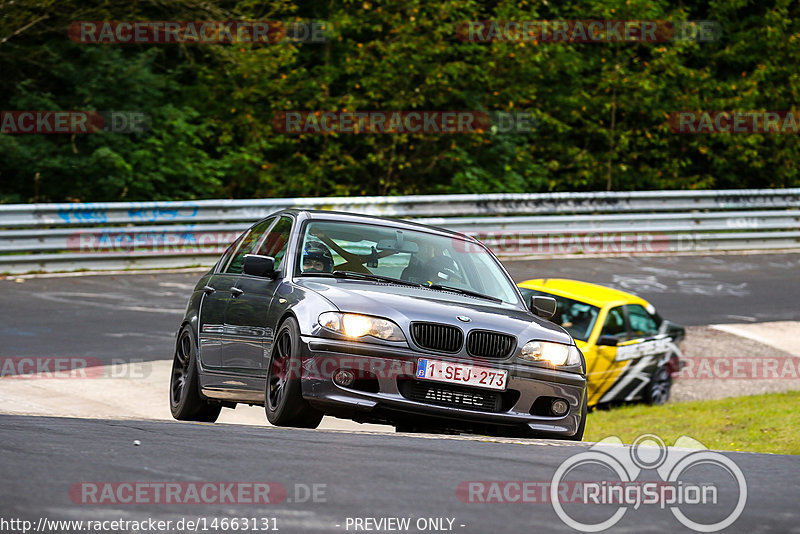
<point x="208" y="290"/>
<point x="235" y="291"/>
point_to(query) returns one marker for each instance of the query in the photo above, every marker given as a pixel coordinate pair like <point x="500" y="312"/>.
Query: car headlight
<point x="355" y="325"/>
<point x="553" y="353"/>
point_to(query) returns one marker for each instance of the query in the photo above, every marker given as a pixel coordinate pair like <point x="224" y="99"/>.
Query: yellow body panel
<point x="602" y="369"/>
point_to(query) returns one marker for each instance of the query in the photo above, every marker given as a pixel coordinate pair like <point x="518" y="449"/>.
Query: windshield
<point x="575" y="317"/>
<point x="408" y="255"/>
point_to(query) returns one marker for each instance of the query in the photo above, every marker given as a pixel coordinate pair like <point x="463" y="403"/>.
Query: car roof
<point x="583" y="291"/>
<point x="359" y="218"/>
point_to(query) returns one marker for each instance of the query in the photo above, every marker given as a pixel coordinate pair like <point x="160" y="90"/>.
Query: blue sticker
<point x="421" y="365"/>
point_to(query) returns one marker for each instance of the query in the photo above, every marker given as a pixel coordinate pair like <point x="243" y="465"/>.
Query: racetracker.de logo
<point x="509" y="243"/>
<point x="73" y="122"/>
<point x="583" y="492"/>
<point x="587" y="31"/>
<point x="739" y="368"/>
<point x="189" y="242"/>
<point x="37" y="367"/>
<point x="188" y="32"/>
<point x="710" y="122"/>
<point x="117" y="493"/>
<point x="403" y="122"/>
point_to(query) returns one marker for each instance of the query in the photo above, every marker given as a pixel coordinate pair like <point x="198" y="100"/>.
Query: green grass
<point x="757" y="423"/>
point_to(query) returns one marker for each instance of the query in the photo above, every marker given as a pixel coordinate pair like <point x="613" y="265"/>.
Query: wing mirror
<point x="256" y="265"/>
<point x="544" y="307"/>
<point x="607" y="341"/>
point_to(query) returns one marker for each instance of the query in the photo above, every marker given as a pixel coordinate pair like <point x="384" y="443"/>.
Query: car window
<point x="226" y="256"/>
<point x="575" y="317"/>
<point x="642" y="323"/>
<point x="276" y="241"/>
<point x="412" y="255"/>
<point x="247" y="244"/>
<point x="615" y="323"/>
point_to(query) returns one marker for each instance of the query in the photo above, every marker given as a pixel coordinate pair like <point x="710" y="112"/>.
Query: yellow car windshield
<point x="575" y="317"/>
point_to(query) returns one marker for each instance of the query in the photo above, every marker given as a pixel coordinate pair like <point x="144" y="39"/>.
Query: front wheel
<point x="284" y="401"/>
<point x="185" y="402"/>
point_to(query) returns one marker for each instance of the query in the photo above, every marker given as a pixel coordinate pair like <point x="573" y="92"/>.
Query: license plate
<point x="458" y="373"/>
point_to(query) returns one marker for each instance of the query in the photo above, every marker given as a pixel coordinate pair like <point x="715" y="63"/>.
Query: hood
<point x="404" y="304"/>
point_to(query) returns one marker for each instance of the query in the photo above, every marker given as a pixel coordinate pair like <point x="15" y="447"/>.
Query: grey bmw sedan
<point x="313" y="313"/>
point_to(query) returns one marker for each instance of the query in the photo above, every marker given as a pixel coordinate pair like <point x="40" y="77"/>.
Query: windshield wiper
<point x="388" y="279"/>
<point x="464" y="292"/>
<point x="374" y="277"/>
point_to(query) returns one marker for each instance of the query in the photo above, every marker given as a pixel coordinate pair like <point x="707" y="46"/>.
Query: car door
<point x="211" y="330"/>
<point x="247" y="317"/>
<point x="640" y="355"/>
<point x="602" y="366"/>
<point x="215" y="333"/>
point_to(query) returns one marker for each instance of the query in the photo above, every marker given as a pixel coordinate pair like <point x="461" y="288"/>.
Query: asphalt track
<point x="357" y="475"/>
<point x="132" y="317"/>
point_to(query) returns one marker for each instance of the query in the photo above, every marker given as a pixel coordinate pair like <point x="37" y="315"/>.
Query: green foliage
<point x="602" y="108"/>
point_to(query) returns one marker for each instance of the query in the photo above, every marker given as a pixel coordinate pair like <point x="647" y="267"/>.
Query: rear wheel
<point x="284" y="401"/>
<point x="185" y="401"/>
<point x="658" y="390"/>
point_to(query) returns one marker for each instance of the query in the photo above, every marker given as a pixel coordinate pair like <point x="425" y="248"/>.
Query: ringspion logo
<point x="691" y="472"/>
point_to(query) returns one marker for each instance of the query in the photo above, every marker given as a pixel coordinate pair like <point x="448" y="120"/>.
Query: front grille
<point x="483" y="344"/>
<point x="453" y="396"/>
<point x="439" y="337"/>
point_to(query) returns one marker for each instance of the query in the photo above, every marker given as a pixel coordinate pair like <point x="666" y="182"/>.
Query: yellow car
<point x="631" y="353"/>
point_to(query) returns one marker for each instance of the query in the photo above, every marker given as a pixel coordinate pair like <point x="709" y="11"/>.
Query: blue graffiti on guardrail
<point x="143" y="212"/>
<point x="147" y="212"/>
<point x="83" y="213"/>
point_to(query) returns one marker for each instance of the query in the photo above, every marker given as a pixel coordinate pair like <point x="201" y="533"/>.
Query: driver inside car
<point x="317" y="258"/>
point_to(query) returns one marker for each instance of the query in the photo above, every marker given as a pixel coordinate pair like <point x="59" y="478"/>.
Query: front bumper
<point x="392" y="389"/>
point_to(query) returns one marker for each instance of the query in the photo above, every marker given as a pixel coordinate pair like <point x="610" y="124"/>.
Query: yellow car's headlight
<point x="355" y="326"/>
<point x="553" y="353"/>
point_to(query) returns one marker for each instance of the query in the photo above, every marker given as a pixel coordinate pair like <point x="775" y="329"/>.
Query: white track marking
<point x="782" y="335"/>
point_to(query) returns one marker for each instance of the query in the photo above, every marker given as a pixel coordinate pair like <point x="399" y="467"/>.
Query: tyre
<point x="284" y="401"/>
<point x="185" y="401"/>
<point x="657" y="391"/>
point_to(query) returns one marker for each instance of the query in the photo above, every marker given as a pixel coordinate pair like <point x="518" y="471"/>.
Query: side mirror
<point x="543" y="306"/>
<point x="256" y="265"/>
<point x="607" y="341"/>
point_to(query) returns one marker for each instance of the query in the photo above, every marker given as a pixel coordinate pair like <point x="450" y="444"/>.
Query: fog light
<point x="559" y="407"/>
<point x="344" y="378"/>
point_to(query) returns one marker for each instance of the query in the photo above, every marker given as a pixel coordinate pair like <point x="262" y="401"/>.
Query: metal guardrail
<point x="64" y="237"/>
